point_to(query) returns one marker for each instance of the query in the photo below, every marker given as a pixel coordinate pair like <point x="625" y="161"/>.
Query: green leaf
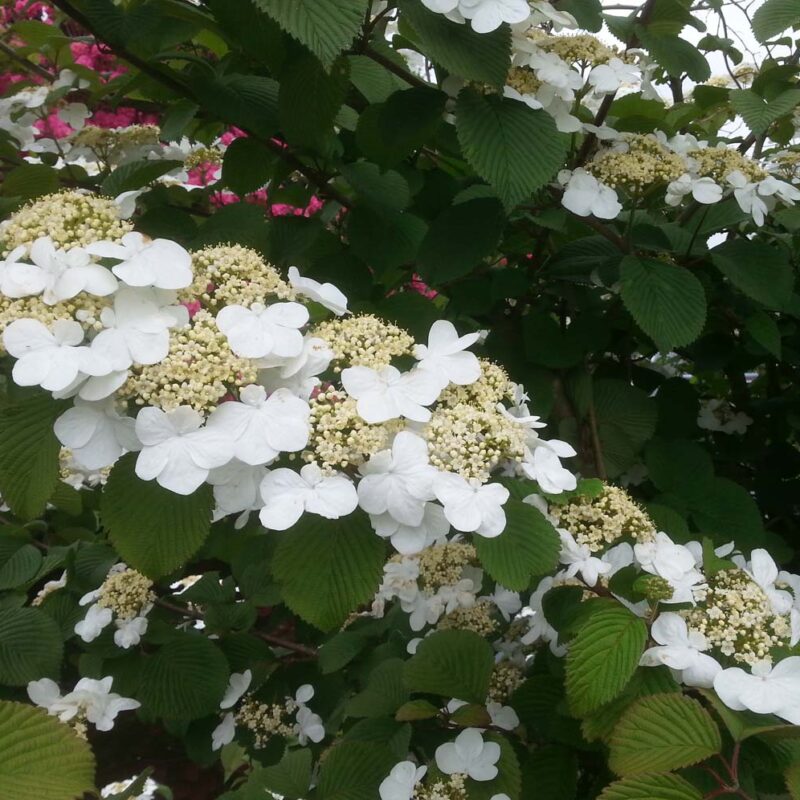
<point x="388" y="132"/>
<point x="460" y="238"/>
<point x="481" y="57"/>
<point x="185" y="679"/>
<point x="135" y="175"/>
<point x="774" y="17"/>
<point x="153" y="529"/>
<point x="759" y="270"/>
<point x="603" y="657"/>
<point x="43" y="759"/>
<point x="509" y="779"/>
<point x="588" y="13"/>
<point x="416" y="709"/>
<point x="28" y="181"/>
<point x="764" y="330"/>
<point x="676" y="55"/>
<point x="679" y="466"/>
<point x="384" y="238"/>
<point x="310" y="98"/>
<point x="354" y="770"/>
<point x="651" y="787"/>
<point x="452" y="664"/>
<point x="29" y="455"/>
<point x="21" y="567"/>
<point x="667" y="301"/>
<point x="328" y="568"/>
<point x="373" y="80"/>
<point x="551" y="771"/>
<point x="30" y="646"/>
<point x="340" y="650"/>
<point x="290" y="777"/>
<point x="759" y="113"/>
<point x="325" y="27"/>
<point x="729" y="509"/>
<point x="517" y="150"/>
<point x="384" y="693"/>
<point x="247" y="165"/>
<point x="528" y="546"/>
<point x="661" y="733"/>
<point x="626" y="419"/>
<point x="248" y="101"/>
<point x="388" y="189"/>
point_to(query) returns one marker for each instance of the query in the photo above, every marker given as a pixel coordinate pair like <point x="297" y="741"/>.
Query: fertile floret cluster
<point x="364" y="340"/>
<point x="636" y="163"/>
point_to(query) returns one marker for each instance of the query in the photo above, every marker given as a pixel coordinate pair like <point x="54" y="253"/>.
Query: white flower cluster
<point x="264" y="720"/>
<point x="230" y="393"/>
<point x="745" y="612"/>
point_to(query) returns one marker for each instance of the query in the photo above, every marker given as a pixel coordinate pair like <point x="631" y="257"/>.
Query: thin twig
<point x="36" y="69"/>
<point x="278" y="641"/>
<point x="387" y="63"/>
<point x="599" y="463"/>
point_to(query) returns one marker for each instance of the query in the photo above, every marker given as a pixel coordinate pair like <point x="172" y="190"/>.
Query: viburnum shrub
<point x="399" y="400"/>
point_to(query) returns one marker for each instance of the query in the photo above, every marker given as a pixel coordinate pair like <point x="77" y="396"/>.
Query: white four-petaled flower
<point x="470" y="506"/>
<point x="261" y="331"/>
<point x="469" y="755"/>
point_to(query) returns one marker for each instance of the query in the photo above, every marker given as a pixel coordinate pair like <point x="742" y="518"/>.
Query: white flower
<point x="768" y="690"/>
<point x="560" y="79"/>
<point x="224" y="732"/>
<point x="487" y="15"/>
<point x="529" y="99"/>
<point x="585" y="196"/>
<point x="137" y="328"/>
<point x="90" y="697"/>
<point x="308" y="725"/>
<point x="542" y="464"/>
<point x="261" y="331"/>
<point x="399" y="784"/>
<point x="176" y="451"/>
<point x="503" y="717"/>
<point x="74" y="114"/>
<point x="238" y="684"/>
<point x="388" y="394"/>
<point x="579" y="560"/>
<point x="96" y="433"/>
<point x="763" y="570"/>
<point x="506" y="601"/>
<point x="236" y="490"/>
<point x="326" y="294"/>
<point x="542" y="11"/>
<point x="540" y="628"/>
<point x="681" y="650"/>
<point x="471" y="506"/>
<point x="92" y="625"/>
<point x="55" y="274"/>
<point x="410" y="539"/>
<point x="673" y="562"/>
<point x="129" y="631"/>
<point x="261" y="427"/>
<point x="399" y="480"/>
<point x="53" y="360"/>
<point x="287" y="494"/>
<point x="704" y="190"/>
<point x="126" y="202"/>
<point x="297" y="374"/>
<point x="147" y="262"/>
<point x="446" y="354"/>
<point x="440" y="6"/>
<point x="746" y="194"/>
<point x="469" y="755"/>
<point x="609" y="77"/>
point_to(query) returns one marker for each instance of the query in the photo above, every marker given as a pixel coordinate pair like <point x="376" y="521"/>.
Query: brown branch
<point x="387" y="63"/>
<point x="277" y="641"/>
<point x="36" y="69"/>
<point x="597" y="449"/>
<point x="172" y="81"/>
